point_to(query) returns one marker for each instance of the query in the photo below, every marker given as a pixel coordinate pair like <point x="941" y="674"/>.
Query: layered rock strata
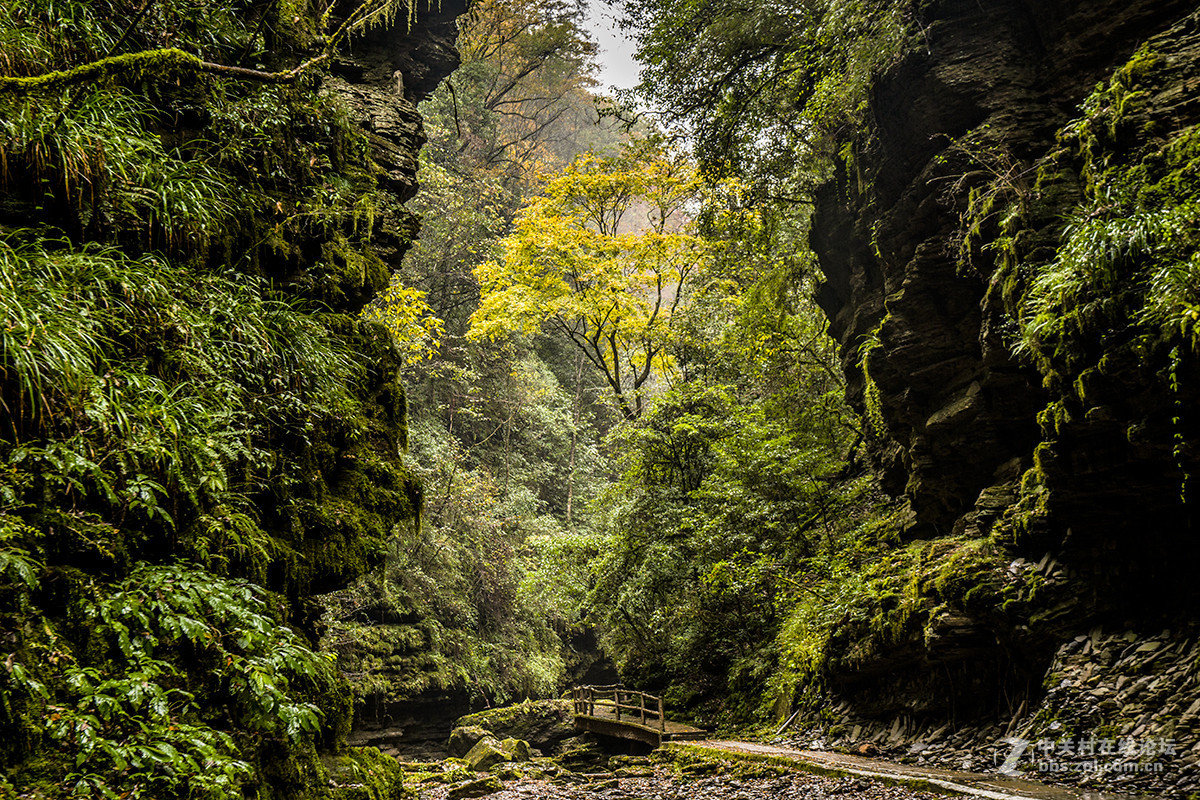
<point x="1053" y="419"/>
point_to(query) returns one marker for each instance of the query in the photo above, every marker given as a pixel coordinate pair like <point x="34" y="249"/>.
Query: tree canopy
<point x="767" y="89"/>
<point x="605" y="257"/>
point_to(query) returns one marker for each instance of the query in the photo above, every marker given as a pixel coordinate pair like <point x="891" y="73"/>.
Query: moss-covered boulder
<point x="480" y="787"/>
<point x="581" y="754"/>
<point x="364" y="773"/>
<point x="515" y="749"/>
<point x="464" y="737"/>
<point x="486" y="754"/>
<point x="544" y="724"/>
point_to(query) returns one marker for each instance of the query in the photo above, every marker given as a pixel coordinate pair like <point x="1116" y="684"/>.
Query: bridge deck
<point x="674" y="730"/>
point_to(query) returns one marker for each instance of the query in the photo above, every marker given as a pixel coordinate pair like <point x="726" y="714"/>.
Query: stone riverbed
<point x="664" y="783"/>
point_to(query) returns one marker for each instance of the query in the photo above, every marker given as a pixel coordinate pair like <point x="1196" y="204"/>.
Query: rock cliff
<point x="198" y="433"/>
<point x="1011" y="275"/>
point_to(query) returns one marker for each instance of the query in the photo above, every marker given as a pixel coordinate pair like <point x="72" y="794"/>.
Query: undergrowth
<point x="196" y="432"/>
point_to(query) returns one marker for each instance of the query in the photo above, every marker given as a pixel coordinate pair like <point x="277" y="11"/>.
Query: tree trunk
<point x="574" y="433"/>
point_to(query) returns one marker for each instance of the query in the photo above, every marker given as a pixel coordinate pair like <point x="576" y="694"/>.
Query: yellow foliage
<point x="606" y="257"/>
<point x="416" y="332"/>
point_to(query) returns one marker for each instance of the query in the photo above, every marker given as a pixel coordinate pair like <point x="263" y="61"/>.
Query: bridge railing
<point x="626" y="705"/>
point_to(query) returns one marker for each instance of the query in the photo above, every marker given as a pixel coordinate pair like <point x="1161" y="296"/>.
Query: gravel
<point x="665" y="784"/>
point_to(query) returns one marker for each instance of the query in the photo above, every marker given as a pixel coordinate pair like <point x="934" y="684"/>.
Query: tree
<point x="734" y="497"/>
<point x="504" y="436"/>
<point x="764" y="88"/>
<point x="520" y="99"/>
<point x="604" y="258"/>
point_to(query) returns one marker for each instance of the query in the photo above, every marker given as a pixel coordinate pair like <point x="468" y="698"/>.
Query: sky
<point x="617" y="64"/>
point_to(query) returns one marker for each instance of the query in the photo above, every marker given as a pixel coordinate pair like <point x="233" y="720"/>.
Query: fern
<point x="1104" y="252"/>
<point x="129" y="724"/>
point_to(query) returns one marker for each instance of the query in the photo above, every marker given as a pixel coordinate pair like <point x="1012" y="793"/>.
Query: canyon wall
<point x="1010" y="272"/>
<point x="199" y="433"/>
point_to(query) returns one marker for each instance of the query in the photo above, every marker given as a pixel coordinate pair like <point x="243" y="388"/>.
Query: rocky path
<point x="717" y="770"/>
<point x="582" y="769"/>
<point x="665" y="784"/>
<point x="988" y="785"/>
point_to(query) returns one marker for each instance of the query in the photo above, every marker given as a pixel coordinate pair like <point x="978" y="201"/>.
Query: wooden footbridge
<point x="625" y="714"/>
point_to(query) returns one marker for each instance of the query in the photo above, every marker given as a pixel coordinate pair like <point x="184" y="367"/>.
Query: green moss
<point x="1055" y="417"/>
<point x="364" y="773"/>
<point x="166" y="65"/>
<point x="348" y="272"/>
<point x="1169" y="175"/>
<point x="1139" y="68"/>
<point x="968" y="575"/>
<point x="294" y="26"/>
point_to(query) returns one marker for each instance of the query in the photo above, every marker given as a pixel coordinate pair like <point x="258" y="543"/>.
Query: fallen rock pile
<point x="1119" y="711"/>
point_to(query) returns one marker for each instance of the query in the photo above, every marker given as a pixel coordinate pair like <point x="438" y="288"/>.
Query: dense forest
<point x="360" y="356"/>
<point x="627" y="418"/>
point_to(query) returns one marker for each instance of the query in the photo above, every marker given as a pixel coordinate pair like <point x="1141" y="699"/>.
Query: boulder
<point x="542" y="723"/>
<point x="464" y="737"/>
<point x="486" y="754"/>
<point x="479" y="787"/>
<point x="515" y="749"/>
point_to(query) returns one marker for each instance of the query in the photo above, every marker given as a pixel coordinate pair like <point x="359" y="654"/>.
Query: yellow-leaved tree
<point x="606" y="258"/>
<point x="404" y="311"/>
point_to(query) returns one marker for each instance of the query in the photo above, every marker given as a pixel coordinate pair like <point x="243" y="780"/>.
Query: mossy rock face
<point x="544" y="724"/>
<point x="1108" y="318"/>
<point x="464" y="737"/>
<point x="251" y="425"/>
<point x="364" y="773"/>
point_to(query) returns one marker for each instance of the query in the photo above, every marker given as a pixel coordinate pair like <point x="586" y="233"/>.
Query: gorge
<point x="901" y="461"/>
